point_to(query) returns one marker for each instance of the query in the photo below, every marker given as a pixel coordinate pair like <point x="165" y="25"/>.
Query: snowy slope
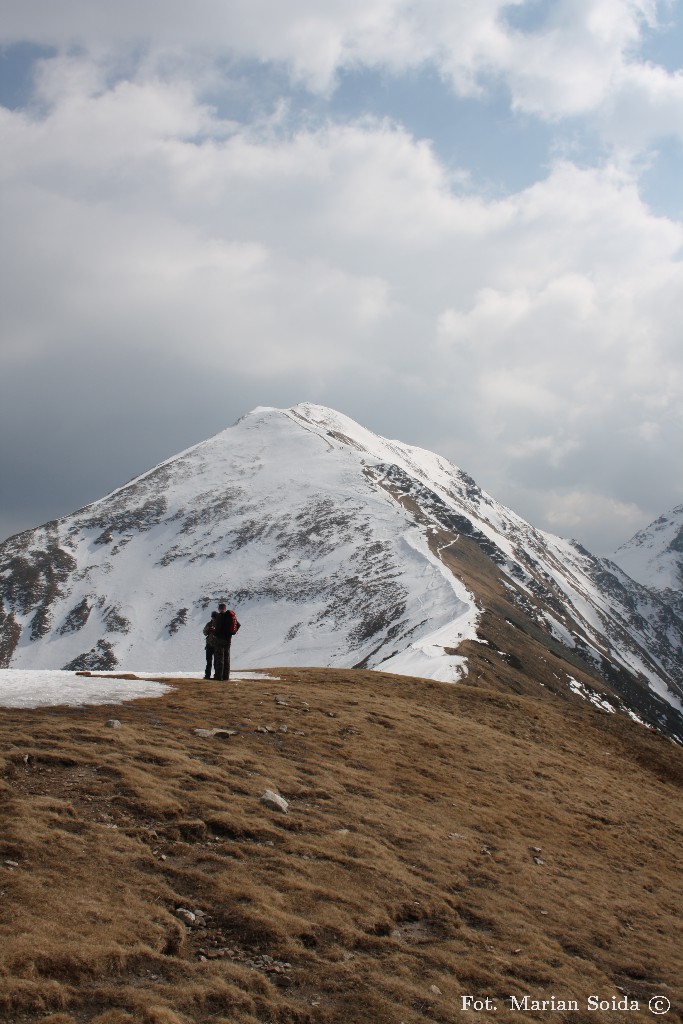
<point x="278" y="516"/>
<point x="589" y="604"/>
<point x="330" y="542"/>
<point x="654" y="556"/>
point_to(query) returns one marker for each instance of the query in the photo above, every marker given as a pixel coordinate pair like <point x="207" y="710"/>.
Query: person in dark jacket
<point x="226" y="625"/>
<point x="209" y="634"/>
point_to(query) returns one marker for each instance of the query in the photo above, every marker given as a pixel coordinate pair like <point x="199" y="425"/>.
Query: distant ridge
<point x="654" y="556"/>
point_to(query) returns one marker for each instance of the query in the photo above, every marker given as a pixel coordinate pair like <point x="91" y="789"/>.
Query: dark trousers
<point x="221" y="660"/>
<point x="209" y="662"/>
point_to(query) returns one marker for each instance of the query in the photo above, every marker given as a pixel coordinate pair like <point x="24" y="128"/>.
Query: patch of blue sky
<point x="659" y="43"/>
<point x="491" y="149"/>
<point x="496" y="150"/>
<point x="661" y="182"/>
<point x="663" y="43"/>
<point x="500" y="150"/>
<point x="527" y="16"/>
<point x="246" y="90"/>
<point x="17" y="66"/>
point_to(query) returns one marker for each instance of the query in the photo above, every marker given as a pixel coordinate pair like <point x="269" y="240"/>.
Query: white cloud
<point x="645" y="105"/>
<point x="568" y="66"/>
<point x="569" y="513"/>
<point x="582" y="59"/>
<point x="540" y="329"/>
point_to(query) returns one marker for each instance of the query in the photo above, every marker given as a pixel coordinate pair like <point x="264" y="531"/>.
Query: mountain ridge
<point x="339" y="547"/>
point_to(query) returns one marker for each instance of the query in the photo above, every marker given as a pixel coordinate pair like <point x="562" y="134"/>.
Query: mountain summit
<point x="337" y="547"/>
<point x="654" y="556"/>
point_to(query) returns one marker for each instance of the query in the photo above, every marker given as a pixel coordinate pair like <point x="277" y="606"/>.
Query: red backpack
<point x="226" y="625"/>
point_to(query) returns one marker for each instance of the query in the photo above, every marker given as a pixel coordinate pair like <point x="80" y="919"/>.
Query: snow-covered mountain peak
<point x="338" y="547"/>
<point x="280" y="514"/>
<point x="654" y="556"/>
<point x="419" y="462"/>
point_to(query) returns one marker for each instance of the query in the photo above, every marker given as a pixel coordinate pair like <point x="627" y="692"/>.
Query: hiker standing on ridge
<point x="209" y="630"/>
<point x="225" y="627"/>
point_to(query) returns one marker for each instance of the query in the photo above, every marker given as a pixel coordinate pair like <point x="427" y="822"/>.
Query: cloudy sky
<point x="459" y="222"/>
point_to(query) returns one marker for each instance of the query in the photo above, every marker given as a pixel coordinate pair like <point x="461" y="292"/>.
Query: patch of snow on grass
<point x="583" y="691"/>
<point x="23" y="688"/>
<point x="234" y="675"/>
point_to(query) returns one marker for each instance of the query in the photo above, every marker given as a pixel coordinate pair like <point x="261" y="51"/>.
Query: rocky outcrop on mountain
<point x="101" y="658"/>
<point x="337" y="547"/>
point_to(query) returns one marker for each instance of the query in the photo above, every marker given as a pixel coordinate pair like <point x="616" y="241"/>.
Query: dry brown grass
<point x="440" y="841"/>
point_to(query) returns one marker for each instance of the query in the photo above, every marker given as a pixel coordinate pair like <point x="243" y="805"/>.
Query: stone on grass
<point x="186" y="915"/>
<point x="220" y="734"/>
<point x="275" y="801"/>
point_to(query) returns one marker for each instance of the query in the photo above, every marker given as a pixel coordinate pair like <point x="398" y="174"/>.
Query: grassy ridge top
<point x="440" y="841"/>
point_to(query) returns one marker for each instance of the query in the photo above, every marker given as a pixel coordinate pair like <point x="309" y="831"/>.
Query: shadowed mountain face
<point x="336" y="547"/>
